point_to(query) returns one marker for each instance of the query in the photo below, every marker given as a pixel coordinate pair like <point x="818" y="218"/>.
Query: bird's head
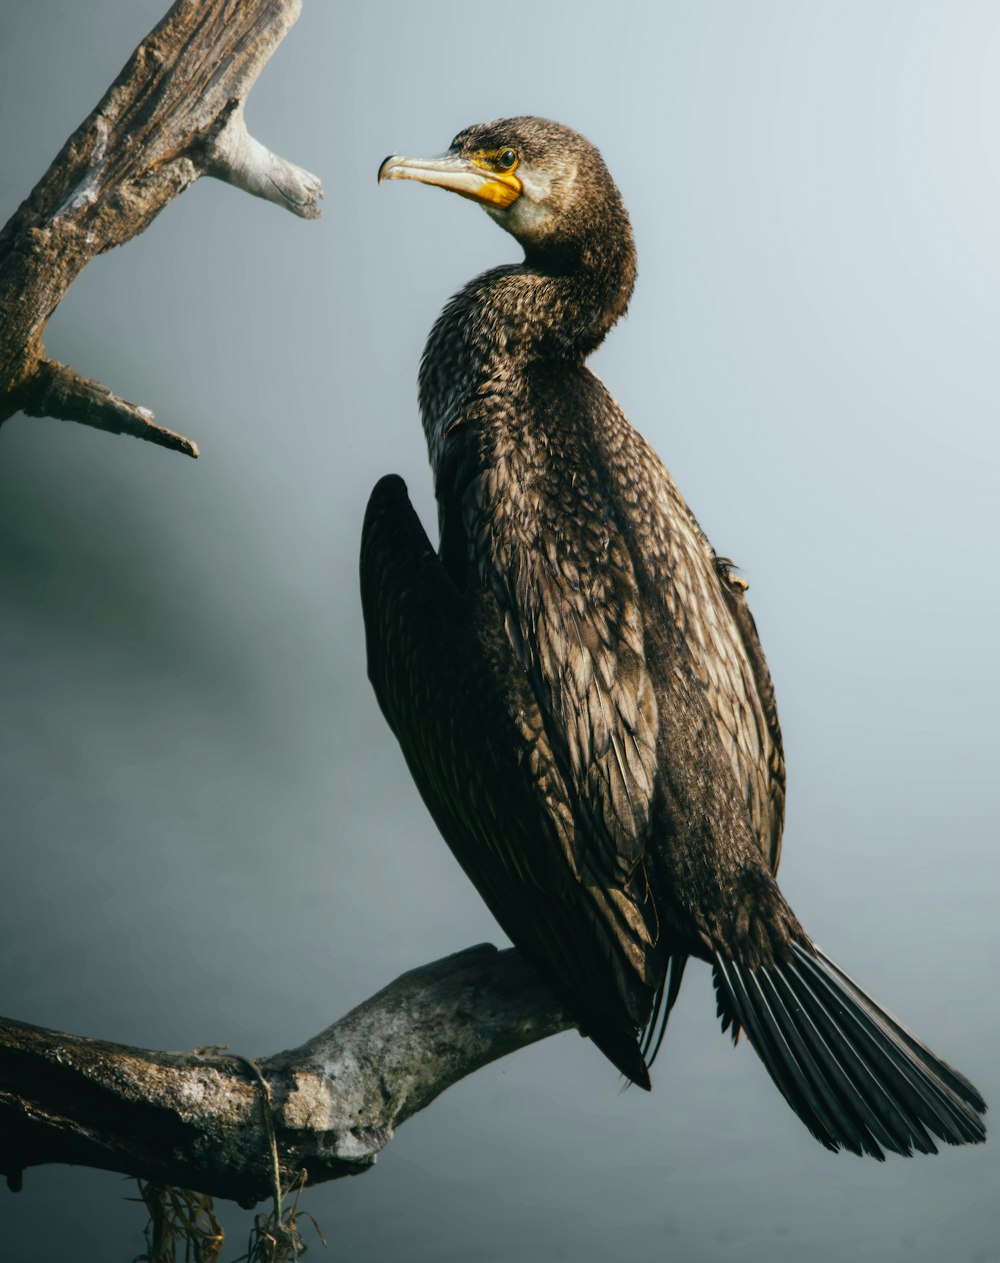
<point x="542" y="182"/>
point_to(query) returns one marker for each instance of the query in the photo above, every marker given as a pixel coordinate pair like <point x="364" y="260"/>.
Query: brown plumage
<point x="577" y="683"/>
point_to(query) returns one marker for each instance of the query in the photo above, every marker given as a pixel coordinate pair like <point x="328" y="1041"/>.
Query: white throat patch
<point x="542" y="195"/>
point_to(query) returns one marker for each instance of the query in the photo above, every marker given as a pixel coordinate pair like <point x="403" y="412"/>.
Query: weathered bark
<point x="173" y="114"/>
<point x="200" y="1120"/>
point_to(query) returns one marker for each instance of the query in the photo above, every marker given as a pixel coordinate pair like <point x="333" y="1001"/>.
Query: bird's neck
<point x="556" y="306"/>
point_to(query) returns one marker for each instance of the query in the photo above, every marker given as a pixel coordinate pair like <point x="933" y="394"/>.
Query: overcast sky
<point x="209" y="834"/>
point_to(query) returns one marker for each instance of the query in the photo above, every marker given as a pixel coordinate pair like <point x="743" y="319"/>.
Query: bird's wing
<point x="767" y="807"/>
<point x="480" y="756"/>
<point x="566" y="585"/>
<point x="703" y="603"/>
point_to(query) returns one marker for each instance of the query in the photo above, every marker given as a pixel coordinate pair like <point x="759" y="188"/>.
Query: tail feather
<point x="856" y="1076"/>
<point x="867" y="1118"/>
<point x="860" y="1075"/>
<point x="958" y="1083"/>
<point x="919" y="1075"/>
<point x="801" y="1081"/>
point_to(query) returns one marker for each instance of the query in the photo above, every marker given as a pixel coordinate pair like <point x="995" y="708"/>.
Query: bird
<point x="577" y="684"/>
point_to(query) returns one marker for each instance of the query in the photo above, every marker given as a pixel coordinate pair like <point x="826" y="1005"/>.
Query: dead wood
<point x="173" y="114"/>
<point x="201" y="1120"/>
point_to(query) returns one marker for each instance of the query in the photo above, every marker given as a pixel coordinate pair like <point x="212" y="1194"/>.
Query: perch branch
<point x="195" y="1120"/>
<point x="173" y="114"/>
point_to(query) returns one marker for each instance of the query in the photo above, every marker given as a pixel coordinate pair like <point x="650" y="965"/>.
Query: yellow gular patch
<point x="505" y="188"/>
<point x="502" y="191"/>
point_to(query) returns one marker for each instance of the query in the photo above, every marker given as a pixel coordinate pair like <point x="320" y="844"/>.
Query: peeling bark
<point x="173" y="114"/>
<point x="197" y="1120"/>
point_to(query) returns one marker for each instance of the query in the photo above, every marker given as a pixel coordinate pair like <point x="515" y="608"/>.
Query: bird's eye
<point x="506" y="159"/>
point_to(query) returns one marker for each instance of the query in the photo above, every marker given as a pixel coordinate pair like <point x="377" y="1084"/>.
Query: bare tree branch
<point x="198" y="1120"/>
<point x="64" y="393"/>
<point x="173" y="114"/>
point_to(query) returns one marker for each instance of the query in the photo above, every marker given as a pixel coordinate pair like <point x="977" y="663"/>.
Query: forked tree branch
<point x="173" y="114"/>
<point x="199" y="1120"/>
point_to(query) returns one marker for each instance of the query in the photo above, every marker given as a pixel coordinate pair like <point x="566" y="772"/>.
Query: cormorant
<point x="577" y="684"/>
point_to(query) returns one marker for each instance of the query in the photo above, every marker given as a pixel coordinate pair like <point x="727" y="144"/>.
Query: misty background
<point x="208" y="832"/>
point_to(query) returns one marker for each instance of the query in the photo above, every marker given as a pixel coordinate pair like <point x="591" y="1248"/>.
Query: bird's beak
<point x="460" y="175"/>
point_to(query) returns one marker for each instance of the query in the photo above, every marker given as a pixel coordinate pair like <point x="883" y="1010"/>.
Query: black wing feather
<point x="445" y="700"/>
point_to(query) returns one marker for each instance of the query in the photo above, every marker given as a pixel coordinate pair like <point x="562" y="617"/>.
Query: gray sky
<point x="209" y="833"/>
